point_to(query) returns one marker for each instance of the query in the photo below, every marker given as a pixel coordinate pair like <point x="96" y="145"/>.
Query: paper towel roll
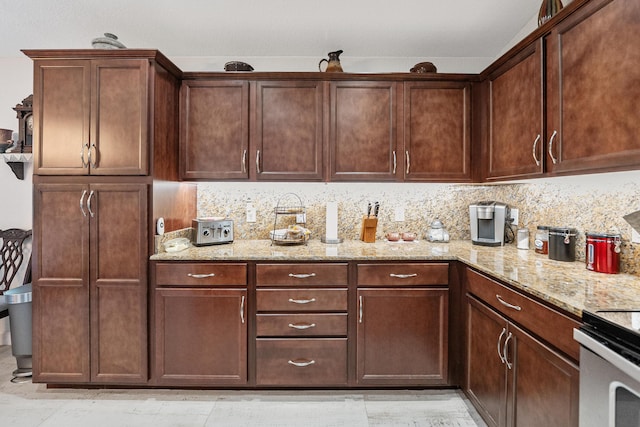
<point x="331" y="229"/>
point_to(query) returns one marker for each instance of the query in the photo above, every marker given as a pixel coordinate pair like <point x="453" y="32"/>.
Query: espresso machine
<point x="489" y="222"/>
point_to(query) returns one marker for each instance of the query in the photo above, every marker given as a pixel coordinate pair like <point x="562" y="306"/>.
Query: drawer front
<point x="550" y="325"/>
<point x="300" y="325"/>
<point x="310" y="274"/>
<point x="200" y="274"/>
<point x="301" y="362"/>
<point x="312" y="299"/>
<point x="403" y="274"/>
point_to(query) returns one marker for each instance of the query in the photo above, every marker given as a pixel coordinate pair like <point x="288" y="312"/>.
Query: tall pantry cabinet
<point x="101" y="117"/>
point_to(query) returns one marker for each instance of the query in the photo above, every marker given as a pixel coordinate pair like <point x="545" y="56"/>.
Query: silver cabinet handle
<point x="302" y="301"/>
<point x="89" y="204"/>
<point x="302" y="326"/>
<point x="244" y="161"/>
<point x="403" y="276"/>
<point x="258" y="161"/>
<point x="242" y="309"/>
<point x="504" y="351"/>
<point x="302" y="276"/>
<point x="201" y="276"/>
<point x="84" y="164"/>
<point x="360" y="310"/>
<point x="553" y="136"/>
<point x="535" y="156"/>
<point x="504" y="330"/>
<point x="94" y="163"/>
<point x="395" y="162"/>
<point x="506" y="304"/>
<point x="406" y="153"/>
<point x="84" y="193"/>
<point x="301" y="364"/>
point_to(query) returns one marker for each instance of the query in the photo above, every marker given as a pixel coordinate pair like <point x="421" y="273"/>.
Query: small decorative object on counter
<point x="437" y="232"/>
<point x="290" y="206"/>
<point x="541" y="241"/>
<point x="548" y="8"/>
<point x="109" y="41"/>
<point x="562" y="243"/>
<point x="333" y="63"/>
<point x="603" y="252"/>
<point x="237" y="66"/>
<point x="523" y="238"/>
<point x="424" y="67"/>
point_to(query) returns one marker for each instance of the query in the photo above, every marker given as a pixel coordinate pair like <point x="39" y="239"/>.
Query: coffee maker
<point x="489" y="221"/>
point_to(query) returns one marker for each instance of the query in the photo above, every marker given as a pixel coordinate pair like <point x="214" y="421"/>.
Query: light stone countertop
<point x="566" y="285"/>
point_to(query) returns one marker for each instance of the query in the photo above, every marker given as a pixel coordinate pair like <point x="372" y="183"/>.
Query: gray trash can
<point x="19" y="304"/>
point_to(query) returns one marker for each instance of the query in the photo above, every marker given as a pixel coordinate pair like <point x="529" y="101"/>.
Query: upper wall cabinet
<point x="515" y="146"/>
<point x="363" y="130"/>
<point x="593" y="87"/>
<point x="92" y="116"/>
<point x="437" y="131"/>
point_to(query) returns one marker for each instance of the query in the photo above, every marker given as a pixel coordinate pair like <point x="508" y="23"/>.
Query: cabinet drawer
<point x="301" y="362"/>
<point x="550" y="325"/>
<point x="301" y="274"/>
<point x="403" y="274"/>
<point x="200" y="274"/>
<point x="312" y="299"/>
<point x="311" y="324"/>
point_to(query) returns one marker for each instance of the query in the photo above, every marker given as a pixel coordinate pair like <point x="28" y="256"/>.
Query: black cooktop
<point x="618" y="329"/>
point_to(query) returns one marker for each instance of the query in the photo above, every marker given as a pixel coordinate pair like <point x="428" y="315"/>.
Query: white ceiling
<point x="271" y="28"/>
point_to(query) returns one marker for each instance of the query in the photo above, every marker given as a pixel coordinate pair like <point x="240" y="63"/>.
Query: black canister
<point x="562" y="243"/>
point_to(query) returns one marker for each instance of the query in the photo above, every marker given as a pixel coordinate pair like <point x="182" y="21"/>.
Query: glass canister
<point x="541" y="241"/>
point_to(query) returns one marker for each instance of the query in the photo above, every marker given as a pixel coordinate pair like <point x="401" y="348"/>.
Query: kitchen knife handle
<point x="535" y="155"/>
<point x="302" y="276"/>
<point x="553" y="136"/>
<point x="201" y="276"/>
<point x="506" y="304"/>
<point x="84" y="193"/>
<point x="406" y="154"/>
<point x="301" y="364"/>
<point x="504" y="330"/>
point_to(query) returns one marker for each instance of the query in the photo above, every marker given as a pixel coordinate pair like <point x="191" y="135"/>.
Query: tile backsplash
<point x="589" y="203"/>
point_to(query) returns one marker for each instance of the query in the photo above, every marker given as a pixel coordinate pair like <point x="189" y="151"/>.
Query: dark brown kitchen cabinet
<point x="402" y="324"/>
<point x="363" y="131"/>
<point x="514" y="379"/>
<point x="516" y="141"/>
<point x="593" y="84"/>
<point x="287" y="130"/>
<point x="90" y="282"/>
<point x="214" y="129"/>
<point x="437" y="132"/>
<point x="91" y="116"/>
<point x="200" y="324"/>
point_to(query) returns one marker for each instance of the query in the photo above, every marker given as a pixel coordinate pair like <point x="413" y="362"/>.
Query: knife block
<point x="368" y="232"/>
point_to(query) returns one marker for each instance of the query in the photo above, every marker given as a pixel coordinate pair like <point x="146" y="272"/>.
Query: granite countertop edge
<point x="568" y="286"/>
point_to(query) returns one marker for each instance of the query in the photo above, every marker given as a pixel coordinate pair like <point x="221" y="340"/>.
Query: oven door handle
<point x="607" y="354"/>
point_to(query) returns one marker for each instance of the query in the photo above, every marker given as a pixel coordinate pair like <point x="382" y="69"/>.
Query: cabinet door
<point x="60" y="263"/>
<point x="516" y="140"/>
<point x="437" y="126"/>
<point x="544" y="386"/>
<point x="362" y="131"/>
<point x="61" y="107"/>
<point x="402" y="336"/>
<point x="214" y="130"/>
<point x="287" y="130"/>
<point x="118" y="283"/>
<point x="593" y="87"/>
<point x="200" y="336"/>
<point x="485" y="368"/>
<point x="119" y="117"/>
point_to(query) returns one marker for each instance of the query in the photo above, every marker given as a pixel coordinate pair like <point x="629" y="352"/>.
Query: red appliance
<point x="603" y="252"/>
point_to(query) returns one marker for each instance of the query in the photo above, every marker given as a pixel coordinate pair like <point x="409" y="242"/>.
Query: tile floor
<point x="31" y="405"/>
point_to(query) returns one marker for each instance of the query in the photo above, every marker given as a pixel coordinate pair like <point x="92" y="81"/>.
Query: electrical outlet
<point x="301" y="218"/>
<point x="251" y="213"/>
<point x="515" y="215"/>
<point x="635" y="236"/>
<point x="399" y="213"/>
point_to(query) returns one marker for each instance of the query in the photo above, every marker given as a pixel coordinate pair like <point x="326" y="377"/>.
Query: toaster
<point x="209" y="231"/>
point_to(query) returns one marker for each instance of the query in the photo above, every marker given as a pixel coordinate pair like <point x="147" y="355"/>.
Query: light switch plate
<point x="399" y="213"/>
<point x="251" y="213"/>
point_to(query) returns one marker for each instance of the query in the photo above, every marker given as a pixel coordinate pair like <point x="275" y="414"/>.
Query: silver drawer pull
<point x="201" y="276"/>
<point x="302" y="326"/>
<point x="301" y="364"/>
<point x="506" y="304"/>
<point x="302" y="301"/>
<point x="403" y="276"/>
<point x="302" y="276"/>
